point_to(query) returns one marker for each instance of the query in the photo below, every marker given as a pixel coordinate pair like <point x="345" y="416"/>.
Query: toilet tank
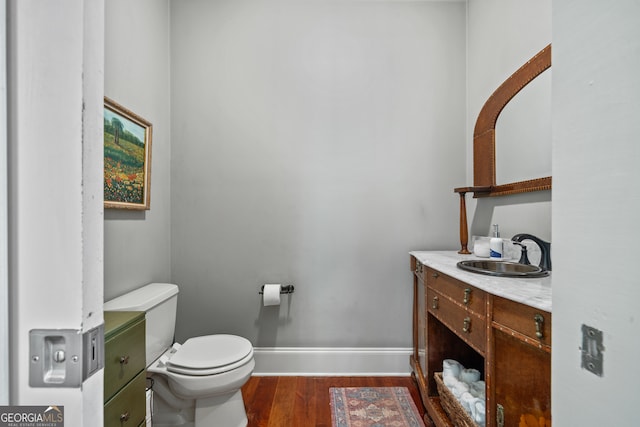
<point x="159" y="301"/>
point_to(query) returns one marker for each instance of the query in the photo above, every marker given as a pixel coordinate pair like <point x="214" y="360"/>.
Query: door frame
<point x="4" y="283"/>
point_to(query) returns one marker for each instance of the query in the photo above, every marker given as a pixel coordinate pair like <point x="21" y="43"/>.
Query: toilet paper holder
<point x="284" y="289"/>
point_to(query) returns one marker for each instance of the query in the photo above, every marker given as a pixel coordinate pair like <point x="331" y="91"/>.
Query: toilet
<point x="194" y="384"/>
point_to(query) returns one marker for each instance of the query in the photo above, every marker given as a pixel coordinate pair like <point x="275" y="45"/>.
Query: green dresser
<point x="124" y="369"/>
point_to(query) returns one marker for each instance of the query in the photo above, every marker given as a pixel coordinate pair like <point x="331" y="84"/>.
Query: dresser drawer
<point x="128" y="406"/>
<point x="467" y="325"/>
<point x="521" y="321"/>
<point x="124" y="357"/>
<point x="471" y="298"/>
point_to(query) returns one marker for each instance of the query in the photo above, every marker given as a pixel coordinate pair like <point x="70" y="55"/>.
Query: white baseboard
<point x="329" y="361"/>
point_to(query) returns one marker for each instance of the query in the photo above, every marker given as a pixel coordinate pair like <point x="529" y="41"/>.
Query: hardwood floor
<point x="304" y="401"/>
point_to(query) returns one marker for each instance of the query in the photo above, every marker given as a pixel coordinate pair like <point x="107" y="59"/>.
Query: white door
<point x="4" y="291"/>
<point x="55" y="90"/>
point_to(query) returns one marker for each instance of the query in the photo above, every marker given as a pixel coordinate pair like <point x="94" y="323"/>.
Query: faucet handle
<point x="524" y="259"/>
<point x="545" y="248"/>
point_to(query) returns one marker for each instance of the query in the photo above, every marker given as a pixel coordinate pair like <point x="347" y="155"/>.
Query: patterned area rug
<point x="373" y="407"/>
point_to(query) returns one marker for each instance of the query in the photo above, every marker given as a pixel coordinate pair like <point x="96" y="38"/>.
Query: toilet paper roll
<point x="271" y="294"/>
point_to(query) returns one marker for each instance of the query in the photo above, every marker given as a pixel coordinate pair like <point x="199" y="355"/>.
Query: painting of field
<point x="125" y="160"/>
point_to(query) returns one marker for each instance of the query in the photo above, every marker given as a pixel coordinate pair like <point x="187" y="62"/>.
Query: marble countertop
<point x="534" y="292"/>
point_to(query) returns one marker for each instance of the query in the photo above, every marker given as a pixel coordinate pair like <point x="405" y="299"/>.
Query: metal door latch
<point x="64" y="357"/>
<point x="592" y="348"/>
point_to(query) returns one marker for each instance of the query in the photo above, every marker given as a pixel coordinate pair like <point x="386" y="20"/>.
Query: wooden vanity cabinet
<point x="124" y="369"/>
<point x="509" y="342"/>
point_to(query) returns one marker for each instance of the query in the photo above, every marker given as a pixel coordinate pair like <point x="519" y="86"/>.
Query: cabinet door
<point x="522" y="383"/>
<point x="522" y="365"/>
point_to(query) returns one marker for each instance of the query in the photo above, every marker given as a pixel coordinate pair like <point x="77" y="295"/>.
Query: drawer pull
<point x="124" y="360"/>
<point x="539" y="321"/>
<point x="434" y="305"/>
<point x="467" y="296"/>
<point x="124" y="417"/>
<point x="435" y="275"/>
<point x="499" y="415"/>
<point x="466" y="324"/>
<point x="418" y="267"/>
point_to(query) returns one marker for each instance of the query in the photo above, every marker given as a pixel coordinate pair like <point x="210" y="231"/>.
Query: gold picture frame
<point x="127" y="158"/>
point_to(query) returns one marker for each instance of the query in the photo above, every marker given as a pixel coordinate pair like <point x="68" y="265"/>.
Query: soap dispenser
<point x="495" y="244"/>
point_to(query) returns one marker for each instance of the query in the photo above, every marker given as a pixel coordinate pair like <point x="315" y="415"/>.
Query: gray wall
<point x="313" y="143"/>
<point x="596" y="105"/>
<point x="137" y="243"/>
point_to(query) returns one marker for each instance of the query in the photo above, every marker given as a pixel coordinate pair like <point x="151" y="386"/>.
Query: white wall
<point x="596" y="104"/>
<point x="137" y="243"/>
<point x="313" y="143"/>
<point x="501" y="36"/>
<point x="55" y="188"/>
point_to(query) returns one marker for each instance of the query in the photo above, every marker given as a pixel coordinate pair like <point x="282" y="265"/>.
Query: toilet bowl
<point x="197" y="383"/>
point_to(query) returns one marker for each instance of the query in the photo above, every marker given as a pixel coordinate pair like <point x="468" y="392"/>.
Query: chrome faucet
<point x="545" y="249"/>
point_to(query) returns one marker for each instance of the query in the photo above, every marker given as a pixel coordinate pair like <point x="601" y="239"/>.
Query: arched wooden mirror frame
<point x="484" y="142"/>
<point x="484" y="134"/>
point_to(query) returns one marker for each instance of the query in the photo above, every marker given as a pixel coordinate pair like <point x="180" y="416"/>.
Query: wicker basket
<point x="458" y="416"/>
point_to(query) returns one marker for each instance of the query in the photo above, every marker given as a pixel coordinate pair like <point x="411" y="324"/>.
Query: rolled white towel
<point x="469" y="375"/>
<point x="477" y="389"/>
<point x="459" y="388"/>
<point x="479" y="415"/>
<point x="451" y="368"/>
<point x="450" y="381"/>
<point x="468" y="402"/>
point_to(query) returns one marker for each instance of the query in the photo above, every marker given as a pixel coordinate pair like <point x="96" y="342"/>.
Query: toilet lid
<point x="210" y="352"/>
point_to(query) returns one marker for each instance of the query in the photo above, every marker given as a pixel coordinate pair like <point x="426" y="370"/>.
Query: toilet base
<point x="225" y="410"/>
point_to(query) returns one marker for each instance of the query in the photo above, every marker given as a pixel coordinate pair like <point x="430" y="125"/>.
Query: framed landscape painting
<point x="127" y="158"/>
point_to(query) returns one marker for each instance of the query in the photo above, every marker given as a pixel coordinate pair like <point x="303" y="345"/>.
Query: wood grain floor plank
<point x="283" y="402"/>
<point x="304" y="401"/>
<point x="260" y="401"/>
<point x="323" y="416"/>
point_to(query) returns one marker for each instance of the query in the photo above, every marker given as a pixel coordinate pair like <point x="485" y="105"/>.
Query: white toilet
<point x="197" y="383"/>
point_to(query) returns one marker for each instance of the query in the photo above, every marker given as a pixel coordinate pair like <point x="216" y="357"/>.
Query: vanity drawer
<point x="471" y="298"/>
<point x="522" y="321"/>
<point x="128" y="406"/>
<point x="467" y="325"/>
<point x="124" y="357"/>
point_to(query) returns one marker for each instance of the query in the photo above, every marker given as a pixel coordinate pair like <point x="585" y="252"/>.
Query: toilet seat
<point x="210" y="355"/>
